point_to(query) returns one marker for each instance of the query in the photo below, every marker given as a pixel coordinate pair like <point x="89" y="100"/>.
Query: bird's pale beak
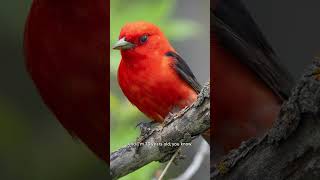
<point x="123" y="44"/>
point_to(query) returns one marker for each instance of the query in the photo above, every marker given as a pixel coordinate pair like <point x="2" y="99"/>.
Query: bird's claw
<point x="145" y="127"/>
<point x="174" y="114"/>
<point x="146" y="130"/>
<point x="168" y="119"/>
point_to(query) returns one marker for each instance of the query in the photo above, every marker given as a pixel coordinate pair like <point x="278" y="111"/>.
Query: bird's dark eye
<point x="143" y="38"/>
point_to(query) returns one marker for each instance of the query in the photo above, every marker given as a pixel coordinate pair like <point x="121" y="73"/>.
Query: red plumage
<point x="148" y="75"/>
<point x="66" y="56"/>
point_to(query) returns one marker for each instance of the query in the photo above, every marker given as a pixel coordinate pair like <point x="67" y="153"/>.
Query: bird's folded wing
<point x="183" y="70"/>
<point x="237" y="32"/>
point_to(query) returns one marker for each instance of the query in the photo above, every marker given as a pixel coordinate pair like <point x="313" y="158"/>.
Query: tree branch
<point x="181" y="127"/>
<point x="291" y="149"/>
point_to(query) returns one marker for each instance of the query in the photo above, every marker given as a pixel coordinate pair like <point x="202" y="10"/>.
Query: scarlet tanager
<point x="151" y="74"/>
<point x="65" y="49"/>
<point x="249" y="84"/>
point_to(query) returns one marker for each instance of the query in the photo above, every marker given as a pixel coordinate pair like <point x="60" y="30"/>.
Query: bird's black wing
<point x="184" y="71"/>
<point x="237" y="32"/>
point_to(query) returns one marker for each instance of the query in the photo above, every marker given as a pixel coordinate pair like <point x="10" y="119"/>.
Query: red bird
<point x="151" y="74"/>
<point x="249" y="84"/>
<point x="66" y="56"/>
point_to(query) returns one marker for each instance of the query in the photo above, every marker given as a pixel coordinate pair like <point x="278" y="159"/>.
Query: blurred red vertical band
<point x="67" y="55"/>
<point x="108" y="74"/>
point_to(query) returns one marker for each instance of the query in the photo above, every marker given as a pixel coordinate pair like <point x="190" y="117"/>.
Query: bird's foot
<point x="173" y="114"/>
<point x="146" y="130"/>
<point x="168" y="119"/>
<point x="145" y="126"/>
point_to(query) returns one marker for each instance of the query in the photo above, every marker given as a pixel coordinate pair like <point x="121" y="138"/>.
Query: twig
<point x="196" y="162"/>
<point x="169" y="164"/>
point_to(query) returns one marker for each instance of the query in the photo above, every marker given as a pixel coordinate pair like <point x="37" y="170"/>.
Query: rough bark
<point x="289" y="150"/>
<point x="181" y="127"/>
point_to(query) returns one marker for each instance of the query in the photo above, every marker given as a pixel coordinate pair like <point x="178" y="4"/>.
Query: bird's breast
<point x="154" y="88"/>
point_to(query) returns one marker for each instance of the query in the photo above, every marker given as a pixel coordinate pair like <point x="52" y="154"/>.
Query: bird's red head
<point x="139" y="39"/>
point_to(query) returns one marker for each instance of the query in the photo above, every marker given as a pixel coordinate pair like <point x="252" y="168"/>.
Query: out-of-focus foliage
<point x="124" y="116"/>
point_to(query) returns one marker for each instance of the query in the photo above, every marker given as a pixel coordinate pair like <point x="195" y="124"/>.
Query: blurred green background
<point x="182" y="31"/>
